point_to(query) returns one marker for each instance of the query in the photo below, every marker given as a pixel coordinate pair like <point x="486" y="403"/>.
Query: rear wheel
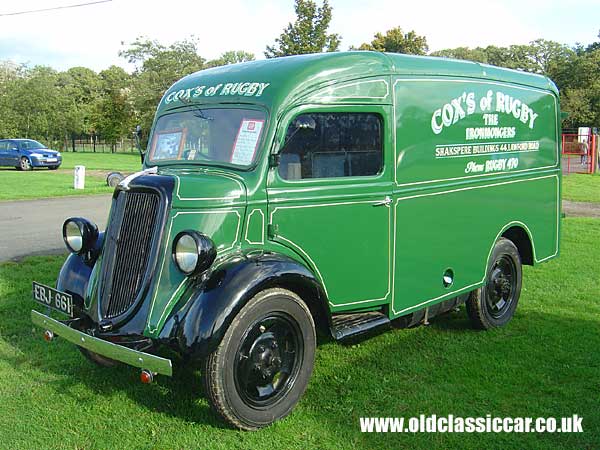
<point x="25" y="164"/>
<point x="263" y="364"/>
<point x="493" y="305"/>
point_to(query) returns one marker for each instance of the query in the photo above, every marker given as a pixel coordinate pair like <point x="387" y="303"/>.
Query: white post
<point x="79" y="180"/>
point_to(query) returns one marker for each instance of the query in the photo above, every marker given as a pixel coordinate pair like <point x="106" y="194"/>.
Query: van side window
<point x="328" y="145"/>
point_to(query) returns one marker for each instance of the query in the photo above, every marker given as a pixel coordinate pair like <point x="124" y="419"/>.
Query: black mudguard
<point x="207" y="308"/>
<point x="75" y="272"/>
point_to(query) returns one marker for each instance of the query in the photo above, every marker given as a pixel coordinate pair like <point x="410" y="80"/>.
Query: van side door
<point x="330" y="199"/>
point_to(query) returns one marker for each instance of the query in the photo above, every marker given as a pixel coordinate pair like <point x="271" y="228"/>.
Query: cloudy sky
<point x="91" y="36"/>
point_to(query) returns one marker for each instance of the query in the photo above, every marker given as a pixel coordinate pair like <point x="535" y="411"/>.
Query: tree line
<point x="53" y="106"/>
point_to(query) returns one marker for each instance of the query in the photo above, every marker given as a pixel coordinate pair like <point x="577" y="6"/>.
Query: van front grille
<point x="127" y="250"/>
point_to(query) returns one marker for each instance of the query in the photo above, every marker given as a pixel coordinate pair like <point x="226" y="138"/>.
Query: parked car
<point x="341" y="192"/>
<point x="25" y="154"/>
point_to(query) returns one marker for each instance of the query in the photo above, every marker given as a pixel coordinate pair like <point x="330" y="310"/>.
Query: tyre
<point x="262" y="366"/>
<point x="97" y="359"/>
<point x="25" y="164"/>
<point x="114" y="178"/>
<point x="53" y="167"/>
<point x="493" y="305"/>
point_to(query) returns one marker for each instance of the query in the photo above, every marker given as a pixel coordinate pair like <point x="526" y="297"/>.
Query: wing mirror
<point x="138" y="138"/>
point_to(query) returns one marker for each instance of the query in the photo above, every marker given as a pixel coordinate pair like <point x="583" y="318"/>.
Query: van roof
<point x="291" y="76"/>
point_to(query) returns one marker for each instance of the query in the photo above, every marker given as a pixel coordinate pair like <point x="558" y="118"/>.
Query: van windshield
<point x="210" y="135"/>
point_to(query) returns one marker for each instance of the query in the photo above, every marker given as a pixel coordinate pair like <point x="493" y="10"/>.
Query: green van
<point x="339" y="192"/>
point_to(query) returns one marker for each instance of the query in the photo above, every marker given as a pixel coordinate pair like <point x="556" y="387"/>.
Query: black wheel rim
<point x="268" y="360"/>
<point x="501" y="287"/>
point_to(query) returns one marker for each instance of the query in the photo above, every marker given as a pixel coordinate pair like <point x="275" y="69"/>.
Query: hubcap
<point x="268" y="360"/>
<point x="500" y="287"/>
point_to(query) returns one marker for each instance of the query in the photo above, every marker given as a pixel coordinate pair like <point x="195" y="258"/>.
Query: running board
<point x="344" y="326"/>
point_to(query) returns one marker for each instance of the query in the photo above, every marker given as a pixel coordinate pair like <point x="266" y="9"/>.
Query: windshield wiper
<point x="200" y="115"/>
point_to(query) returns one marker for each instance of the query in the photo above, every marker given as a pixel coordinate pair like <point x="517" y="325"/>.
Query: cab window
<point x="330" y="145"/>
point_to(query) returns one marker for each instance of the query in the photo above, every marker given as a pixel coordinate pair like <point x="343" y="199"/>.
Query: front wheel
<point x="25" y="164"/>
<point x="493" y="305"/>
<point x="262" y="366"/>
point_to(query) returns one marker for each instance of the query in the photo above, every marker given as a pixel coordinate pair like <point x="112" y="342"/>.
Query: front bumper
<point x="43" y="162"/>
<point x="117" y="352"/>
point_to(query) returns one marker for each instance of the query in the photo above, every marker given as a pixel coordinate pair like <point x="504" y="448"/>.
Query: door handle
<point x="387" y="201"/>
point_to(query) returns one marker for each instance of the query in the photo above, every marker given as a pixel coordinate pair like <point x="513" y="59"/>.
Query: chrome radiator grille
<point x="127" y="250"/>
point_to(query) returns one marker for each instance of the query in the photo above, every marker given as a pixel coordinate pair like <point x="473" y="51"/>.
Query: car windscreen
<point x="209" y="135"/>
<point x="31" y="145"/>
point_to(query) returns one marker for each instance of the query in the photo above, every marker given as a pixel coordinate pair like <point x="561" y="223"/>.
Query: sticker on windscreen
<point x="168" y="144"/>
<point x="246" y="141"/>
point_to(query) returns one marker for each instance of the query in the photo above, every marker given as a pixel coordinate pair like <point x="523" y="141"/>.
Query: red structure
<point x="574" y="156"/>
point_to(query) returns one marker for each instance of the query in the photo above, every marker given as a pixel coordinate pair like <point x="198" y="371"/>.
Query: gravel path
<point x="581" y="209"/>
<point x="34" y="227"/>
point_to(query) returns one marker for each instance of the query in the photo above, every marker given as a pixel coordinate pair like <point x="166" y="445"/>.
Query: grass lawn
<point x="40" y="183"/>
<point x="581" y="187"/>
<point x="545" y="363"/>
<point x="122" y="162"/>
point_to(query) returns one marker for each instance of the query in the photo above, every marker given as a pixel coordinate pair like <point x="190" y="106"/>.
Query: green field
<point x="581" y="187"/>
<point x="544" y="363"/>
<point x="124" y="162"/>
<point x="41" y="183"/>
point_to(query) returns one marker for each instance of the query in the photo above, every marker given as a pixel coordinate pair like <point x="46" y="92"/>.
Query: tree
<point x="547" y="56"/>
<point x="37" y="102"/>
<point x="114" y="118"/>
<point x="308" y="34"/>
<point x="231" y="57"/>
<point x="79" y="90"/>
<point x="477" y="54"/>
<point x="396" y="41"/>
<point x="594" y="45"/>
<point x="157" y="68"/>
<point x="576" y="102"/>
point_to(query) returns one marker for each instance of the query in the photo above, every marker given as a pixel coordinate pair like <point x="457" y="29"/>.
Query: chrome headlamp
<point x="193" y="252"/>
<point x="80" y="235"/>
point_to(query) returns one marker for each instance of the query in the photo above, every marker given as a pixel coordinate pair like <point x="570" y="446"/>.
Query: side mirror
<point x="138" y="137"/>
<point x="304" y="122"/>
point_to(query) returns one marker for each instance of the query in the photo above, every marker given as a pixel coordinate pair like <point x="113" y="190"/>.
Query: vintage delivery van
<point x="340" y="192"/>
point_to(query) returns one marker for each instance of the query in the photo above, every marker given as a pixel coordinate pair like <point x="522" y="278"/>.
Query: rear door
<point x="12" y="154"/>
<point x="329" y="200"/>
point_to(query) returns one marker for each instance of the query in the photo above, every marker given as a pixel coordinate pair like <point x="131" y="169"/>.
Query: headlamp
<point x="79" y="234"/>
<point x="193" y="252"/>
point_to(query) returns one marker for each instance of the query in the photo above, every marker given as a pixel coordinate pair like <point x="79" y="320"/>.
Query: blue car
<point x="25" y="154"/>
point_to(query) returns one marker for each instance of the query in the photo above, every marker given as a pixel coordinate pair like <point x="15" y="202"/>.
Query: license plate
<point x="47" y="296"/>
<point x="51" y="160"/>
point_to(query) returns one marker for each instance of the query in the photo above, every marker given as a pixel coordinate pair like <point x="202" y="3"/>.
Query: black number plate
<point x="60" y="301"/>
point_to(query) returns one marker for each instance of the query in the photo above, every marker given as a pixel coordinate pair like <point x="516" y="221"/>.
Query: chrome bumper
<point x="117" y="352"/>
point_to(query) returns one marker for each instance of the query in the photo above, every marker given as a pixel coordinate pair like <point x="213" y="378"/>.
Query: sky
<point x="92" y="36"/>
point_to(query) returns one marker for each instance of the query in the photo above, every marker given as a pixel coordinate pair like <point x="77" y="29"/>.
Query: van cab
<point x="341" y="192"/>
